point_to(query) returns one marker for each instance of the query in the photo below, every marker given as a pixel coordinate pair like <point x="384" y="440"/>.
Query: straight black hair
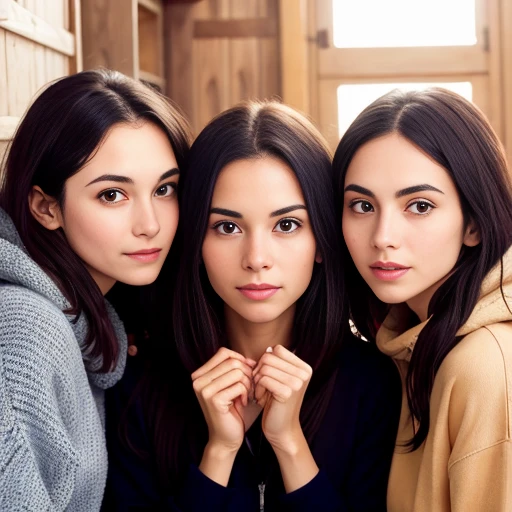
<point x="59" y="133"/>
<point x="455" y="134"/>
<point x="250" y="130"/>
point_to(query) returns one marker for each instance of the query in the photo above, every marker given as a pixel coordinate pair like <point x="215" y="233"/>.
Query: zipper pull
<point x="261" y="488"/>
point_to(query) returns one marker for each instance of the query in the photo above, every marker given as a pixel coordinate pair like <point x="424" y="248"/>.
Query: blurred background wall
<point x="328" y="58"/>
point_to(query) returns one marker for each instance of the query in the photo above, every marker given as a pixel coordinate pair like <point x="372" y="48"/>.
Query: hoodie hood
<point x="18" y="268"/>
<point x="494" y="305"/>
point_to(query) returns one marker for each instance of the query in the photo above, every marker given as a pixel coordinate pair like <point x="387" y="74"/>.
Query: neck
<point x="251" y="339"/>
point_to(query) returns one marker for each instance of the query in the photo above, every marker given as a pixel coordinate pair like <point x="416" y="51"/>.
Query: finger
<point x="222" y="354"/>
<point x="280" y="392"/>
<point x="223" y="382"/>
<point x="225" y="399"/>
<point x="290" y="357"/>
<point x="283" y="365"/>
<point x="293" y="381"/>
<point x="224" y="367"/>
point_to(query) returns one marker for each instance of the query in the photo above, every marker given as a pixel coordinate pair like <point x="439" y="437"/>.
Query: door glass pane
<point x="353" y="98"/>
<point x="398" y="23"/>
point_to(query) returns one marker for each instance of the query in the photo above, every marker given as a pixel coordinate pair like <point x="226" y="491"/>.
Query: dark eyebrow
<point x="288" y="209"/>
<point x="228" y="213"/>
<point x="111" y="177"/>
<point x="361" y="190"/>
<point x="125" y="179"/>
<point x="168" y="174"/>
<point x="416" y="188"/>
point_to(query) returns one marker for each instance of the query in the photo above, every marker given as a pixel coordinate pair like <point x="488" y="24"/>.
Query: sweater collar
<point x="18" y="268"/>
<point x="397" y="338"/>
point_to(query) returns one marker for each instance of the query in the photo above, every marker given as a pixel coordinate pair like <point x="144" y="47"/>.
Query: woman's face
<point x="402" y="221"/>
<point x="259" y="249"/>
<point x="120" y="211"/>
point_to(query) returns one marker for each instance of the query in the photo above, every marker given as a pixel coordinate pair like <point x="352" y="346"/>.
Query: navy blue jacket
<point x="353" y="449"/>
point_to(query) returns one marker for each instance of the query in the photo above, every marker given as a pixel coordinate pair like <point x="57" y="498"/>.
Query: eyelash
<point x="417" y="201"/>
<point x="297" y="223"/>
<point x="101" y="196"/>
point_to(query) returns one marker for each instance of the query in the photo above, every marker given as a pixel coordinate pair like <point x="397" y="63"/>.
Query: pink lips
<point x="258" y="291"/>
<point x="146" y="255"/>
<point x="388" y="270"/>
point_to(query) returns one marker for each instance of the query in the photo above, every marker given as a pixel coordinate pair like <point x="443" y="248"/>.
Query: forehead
<point x="266" y="180"/>
<point x="140" y="152"/>
<point x="391" y="161"/>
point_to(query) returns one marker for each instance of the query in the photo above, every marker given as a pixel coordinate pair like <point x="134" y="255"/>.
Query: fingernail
<point x="269" y="349"/>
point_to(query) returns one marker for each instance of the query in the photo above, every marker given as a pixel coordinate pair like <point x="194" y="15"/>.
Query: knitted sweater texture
<point x="52" y="441"/>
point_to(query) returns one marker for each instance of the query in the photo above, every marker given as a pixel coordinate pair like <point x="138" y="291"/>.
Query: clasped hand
<point x="229" y="382"/>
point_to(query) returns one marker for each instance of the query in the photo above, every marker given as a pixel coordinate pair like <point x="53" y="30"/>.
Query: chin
<point x="134" y="280"/>
<point x="391" y="296"/>
<point x="258" y="317"/>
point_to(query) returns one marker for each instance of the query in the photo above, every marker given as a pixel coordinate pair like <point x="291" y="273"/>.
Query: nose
<point x="145" y="222"/>
<point x="386" y="232"/>
<point x="257" y="253"/>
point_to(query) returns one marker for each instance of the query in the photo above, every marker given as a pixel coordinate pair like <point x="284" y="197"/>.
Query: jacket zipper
<point x="261" y="488"/>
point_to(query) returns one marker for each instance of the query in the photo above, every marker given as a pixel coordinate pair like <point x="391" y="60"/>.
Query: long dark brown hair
<point x="457" y="136"/>
<point x="59" y="133"/>
<point x="250" y="130"/>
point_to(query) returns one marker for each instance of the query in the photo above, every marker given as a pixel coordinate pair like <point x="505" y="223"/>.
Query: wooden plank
<point x="294" y="54"/>
<point x="494" y="92"/>
<point x="244" y="66"/>
<point x="506" y="75"/>
<point x="269" y="72"/>
<point x="154" y="6"/>
<point x="26" y="24"/>
<point x="178" y="43"/>
<point x="8" y="126"/>
<point x="256" y="27"/>
<point x="4" y="109"/>
<point x="149" y="35"/>
<point x="387" y="62"/>
<point x="76" y="64"/>
<point x="211" y="80"/>
<point x="246" y="9"/>
<point x="20" y="79"/>
<point x="109" y="35"/>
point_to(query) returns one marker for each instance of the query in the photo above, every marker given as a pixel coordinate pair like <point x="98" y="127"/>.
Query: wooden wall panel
<point x="210" y="76"/>
<point x="219" y="52"/>
<point x="35" y="48"/>
<point x="4" y="105"/>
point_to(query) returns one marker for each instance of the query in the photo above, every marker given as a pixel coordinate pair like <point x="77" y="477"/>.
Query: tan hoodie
<point x="465" y="463"/>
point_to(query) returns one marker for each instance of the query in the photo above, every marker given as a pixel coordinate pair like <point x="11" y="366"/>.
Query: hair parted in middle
<point x="254" y="129"/>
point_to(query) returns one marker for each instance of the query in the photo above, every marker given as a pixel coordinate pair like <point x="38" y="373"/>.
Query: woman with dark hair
<point x="271" y="402"/>
<point x="88" y="199"/>
<point x="426" y="209"/>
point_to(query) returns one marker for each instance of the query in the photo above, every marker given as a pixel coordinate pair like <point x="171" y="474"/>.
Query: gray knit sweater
<point x="52" y="440"/>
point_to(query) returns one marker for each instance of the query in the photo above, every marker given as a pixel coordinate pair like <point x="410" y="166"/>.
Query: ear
<point x="471" y="235"/>
<point x="44" y="208"/>
<point x="318" y="257"/>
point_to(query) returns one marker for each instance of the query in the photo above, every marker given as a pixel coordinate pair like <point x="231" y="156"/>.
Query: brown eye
<point x="421" y="207"/>
<point x="165" y="190"/>
<point x="287" y="226"/>
<point x="361" y="206"/>
<point x="110" y="196"/>
<point x="227" y="228"/>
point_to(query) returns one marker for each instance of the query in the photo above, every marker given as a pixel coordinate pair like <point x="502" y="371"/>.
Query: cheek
<point x="90" y="229"/>
<point x="353" y="237"/>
